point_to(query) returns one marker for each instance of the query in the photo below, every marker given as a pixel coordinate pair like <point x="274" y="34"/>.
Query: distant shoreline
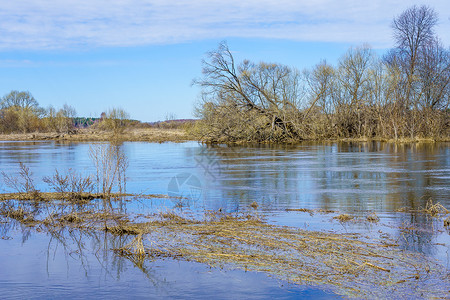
<point x="161" y="135"/>
<point x="156" y="135"/>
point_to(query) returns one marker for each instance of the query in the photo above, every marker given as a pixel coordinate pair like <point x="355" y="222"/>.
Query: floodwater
<point x="352" y="178"/>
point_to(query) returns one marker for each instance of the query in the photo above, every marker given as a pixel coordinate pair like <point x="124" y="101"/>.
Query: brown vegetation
<point x="150" y="134"/>
<point x="431" y="209"/>
<point x="344" y="217"/>
<point x="20" y="113"/>
<point x="347" y="264"/>
<point x="404" y="95"/>
<point x="21" y="118"/>
<point x="447" y="222"/>
<point x="434" y="209"/>
<point x="373" y="218"/>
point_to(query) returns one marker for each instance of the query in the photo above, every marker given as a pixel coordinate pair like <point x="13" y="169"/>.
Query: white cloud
<point x="55" y="24"/>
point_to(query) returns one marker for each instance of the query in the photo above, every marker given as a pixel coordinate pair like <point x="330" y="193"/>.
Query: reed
<point x="434" y="209"/>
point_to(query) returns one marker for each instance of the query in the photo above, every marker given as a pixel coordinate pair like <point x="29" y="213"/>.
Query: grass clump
<point x="447" y="222"/>
<point x="434" y="209"/>
<point x="16" y="214"/>
<point x="312" y="211"/>
<point x="134" y="249"/>
<point x="300" y="210"/>
<point x="71" y="218"/>
<point x="373" y="218"/>
<point x="123" y="230"/>
<point x="173" y="218"/>
<point x="344" y="217"/>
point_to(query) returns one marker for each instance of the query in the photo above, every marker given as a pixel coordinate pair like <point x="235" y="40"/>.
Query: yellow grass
<point x="83" y="135"/>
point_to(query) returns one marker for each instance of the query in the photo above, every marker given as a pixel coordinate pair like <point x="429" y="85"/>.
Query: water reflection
<point x="373" y="176"/>
<point x="78" y="263"/>
<point x="354" y="178"/>
<point x="89" y="250"/>
<point x="364" y="176"/>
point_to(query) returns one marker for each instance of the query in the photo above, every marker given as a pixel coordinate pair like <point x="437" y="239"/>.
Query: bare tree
<point x="320" y="81"/>
<point x="413" y="30"/>
<point x="354" y="89"/>
<point x="318" y="118"/>
<point x="269" y="90"/>
<point x="434" y="76"/>
<point x="115" y="120"/>
<point x="405" y="94"/>
<point x="18" y="99"/>
<point x="111" y="164"/>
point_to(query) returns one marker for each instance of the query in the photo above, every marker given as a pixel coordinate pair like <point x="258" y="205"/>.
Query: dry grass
<point x="254" y="205"/>
<point x="70" y="197"/>
<point x="373" y="218"/>
<point x="348" y="264"/>
<point x="434" y="209"/>
<point x="312" y="211"/>
<point x="123" y="230"/>
<point x="300" y="210"/>
<point x="134" y="248"/>
<point x="344" y="262"/>
<point x="17" y="214"/>
<point x="431" y="209"/>
<point x="344" y="217"/>
<point x="326" y="211"/>
<point x="447" y="222"/>
<point x="403" y="209"/>
<point x="158" y="135"/>
<point x="70" y="218"/>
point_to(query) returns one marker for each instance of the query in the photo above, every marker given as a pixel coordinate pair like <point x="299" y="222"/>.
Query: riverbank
<point x="161" y="135"/>
<point x="158" y="135"/>
<point x="339" y="140"/>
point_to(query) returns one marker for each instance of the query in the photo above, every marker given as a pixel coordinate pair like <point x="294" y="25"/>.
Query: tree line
<point x="20" y="112"/>
<point x="403" y="94"/>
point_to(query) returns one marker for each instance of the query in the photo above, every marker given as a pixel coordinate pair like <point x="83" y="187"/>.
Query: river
<point x="353" y="178"/>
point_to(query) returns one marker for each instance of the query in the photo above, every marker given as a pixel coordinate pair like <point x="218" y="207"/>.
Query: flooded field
<point x="306" y="187"/>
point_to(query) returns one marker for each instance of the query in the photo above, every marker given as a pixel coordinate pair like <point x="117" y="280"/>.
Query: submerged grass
<point x="343" y="262"/>
<point x="347" y="264"/>
<point x="431" y="209"/>
<point x="434" y="209"/>
<point x="344" y="217"/>
<point x="71" y="197"/>
<point x="447" y="222"/>
<point x="373" y="218"/>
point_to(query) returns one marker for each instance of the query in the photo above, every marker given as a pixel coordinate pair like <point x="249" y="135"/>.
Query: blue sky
<point x="142" y="55"/>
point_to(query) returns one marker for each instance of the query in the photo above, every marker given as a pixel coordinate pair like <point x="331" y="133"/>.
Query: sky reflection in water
<point x="342" y="177"/>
